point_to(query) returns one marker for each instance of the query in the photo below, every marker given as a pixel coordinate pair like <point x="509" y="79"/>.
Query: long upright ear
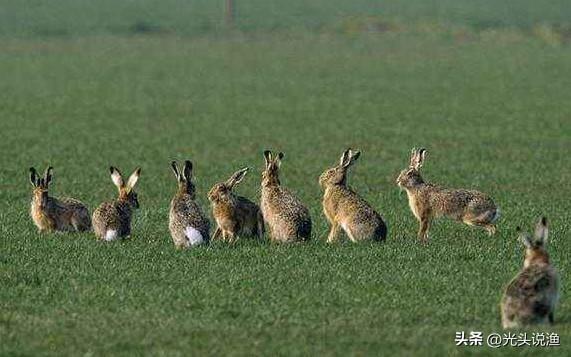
<point x="133" y="179"/>
<point x="417" y="158"/>
<point x="174" y="168"/>
<point x="33" y="177"/>
<point x="268" y="157"/>
<point x="524" y="238"/>
<point x="116" y="177"/>
<point x="237" y="177"/>
<point x="343" y="161"/>
<point x="278" y="160"/>
<point x="48" y="175"/>
<point x="353" y="156"/>
<point x="413" y="155"/>
<point x="422" y="156"/>
<point x="188" y="170"/>
<point x="541" y="230"/>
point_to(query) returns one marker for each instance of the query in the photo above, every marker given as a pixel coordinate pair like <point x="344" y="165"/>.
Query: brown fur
<point x="287" y="218"/>
<point x="531" y="296"/>
<point x="185" y="211"/>
<point x="235" y="215"/>
<point x="428" y="201"/>
<point x="56" y="214"/>
<point x="116" y="215"/>
<point x="344" y="208"/>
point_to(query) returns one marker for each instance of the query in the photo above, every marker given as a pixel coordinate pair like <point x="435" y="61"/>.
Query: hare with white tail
<point x="345" y="209"/>
<point x="112" y="219"/>
<point x="187" y="223"/>
<point x="287" y="217"/>
<point x="531" y="296"/>
<point x="55" y="214"/>
<point x="428" y="201"/>
<point x="235" y="215"/>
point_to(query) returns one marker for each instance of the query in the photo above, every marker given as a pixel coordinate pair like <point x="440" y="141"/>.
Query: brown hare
<point x="428" y="201"/>
<point x="287" y="218"/>
<point x="56" y="214"/>
<point x="531" y="296"/>
<point x="235" y="215"/>
<point x="187" y="223"/>
<point x="112" y="219"/>
<point x="345" y="209"/>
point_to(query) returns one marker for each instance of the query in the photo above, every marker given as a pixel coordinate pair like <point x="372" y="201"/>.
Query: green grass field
<point x="491" y="103"/>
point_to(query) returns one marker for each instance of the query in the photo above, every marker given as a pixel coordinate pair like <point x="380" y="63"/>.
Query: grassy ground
<point x="492" y="107"/>
<point x="69" y="18"/>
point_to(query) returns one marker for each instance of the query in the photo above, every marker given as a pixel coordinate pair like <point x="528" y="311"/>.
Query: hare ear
<point x="116" y="177"/>
<point x="413" y="155"/>
<point x="421" y="156"/>
<point x="48" y="175"/>
<point x="237" y="177"/>
<point x="541" y="230"/>
<point x="187" y="170"/>
<point x="278" y="159"/>
<point x="417" y="158"/>
<point x="133" y="179"/>
<point x="353" y="156"/>
<point x="34" y="177"/>
<point x="524" y="238"/>
<point x="344" y="158"/>
<point x="268" y="157"/>
<point x="174" y="168"/>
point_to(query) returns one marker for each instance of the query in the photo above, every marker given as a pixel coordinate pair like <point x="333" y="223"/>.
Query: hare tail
<point x="193" y="235"/>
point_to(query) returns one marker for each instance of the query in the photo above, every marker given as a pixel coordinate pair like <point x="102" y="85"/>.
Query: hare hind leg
<point x="551" y="318"/>
<point x="259" y="228"/>
<point x="349" y="232"/>
<point x="81" y="223"/>
<point x="489" y="227"/>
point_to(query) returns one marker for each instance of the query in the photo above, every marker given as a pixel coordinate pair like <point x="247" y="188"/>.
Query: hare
<point x="53" y="214"/>
<point x="112" y="219"/>
<point x="344" y="208"/>
<point x="531" y="296"/>
<point x="235" y="215"/>
<point x="428" y="201"/>
<point x="287" y="218"/>
<point x="187" y="224"/>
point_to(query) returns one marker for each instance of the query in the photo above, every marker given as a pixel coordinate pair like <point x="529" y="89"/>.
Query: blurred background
<point x="71" y="18"/>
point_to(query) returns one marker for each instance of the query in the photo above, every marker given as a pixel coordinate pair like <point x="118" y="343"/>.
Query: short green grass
<point x="492" y="108"/>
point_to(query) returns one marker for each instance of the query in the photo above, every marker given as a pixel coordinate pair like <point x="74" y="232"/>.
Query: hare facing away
<point x="287" y="218"/>
<point x="112" y="219"/>
<point x="187" y="223"/>
<point x="345" y="209"/>
<point x="56" y="214"/>
<point x="428" y="201"/>
<point x="531" y="296"/>
<point x="235" y="215"/>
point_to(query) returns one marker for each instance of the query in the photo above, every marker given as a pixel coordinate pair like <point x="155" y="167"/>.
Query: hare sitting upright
<point x="235" y="215"/>
<point x="345" y="209"/>
<point x="287" y="218"/>
<point x="187" y="223"/>
<point x="112" y="219"/>
<point x="53" y="214"/>
<point x="428" y="201"/>
<point x="531" y="296"/>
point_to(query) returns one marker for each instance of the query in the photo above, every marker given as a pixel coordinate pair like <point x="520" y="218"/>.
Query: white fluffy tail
<point x="193" y="235"/>
<point x="110" y="235"/>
